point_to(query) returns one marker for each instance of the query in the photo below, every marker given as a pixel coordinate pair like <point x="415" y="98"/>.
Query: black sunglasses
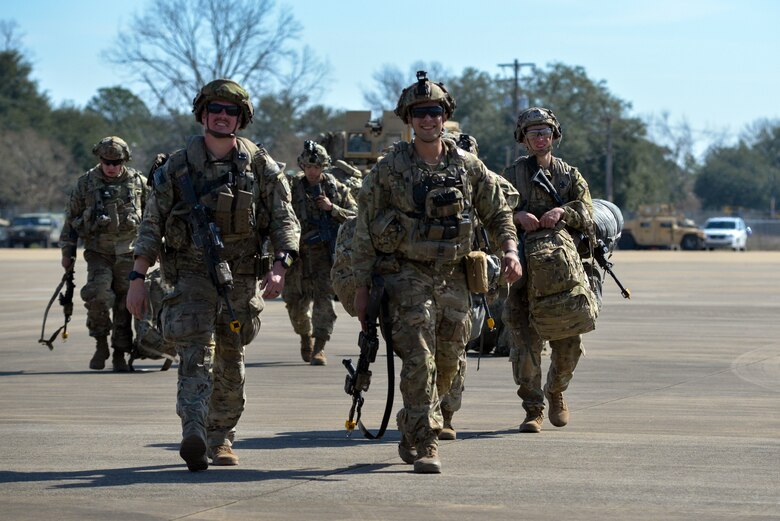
<point x="421" y="112"/>
<point x="217" y="108"/>
<point x="111" y="162"/>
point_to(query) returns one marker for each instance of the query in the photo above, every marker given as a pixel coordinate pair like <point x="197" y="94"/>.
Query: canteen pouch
<point x="476" y="266"/>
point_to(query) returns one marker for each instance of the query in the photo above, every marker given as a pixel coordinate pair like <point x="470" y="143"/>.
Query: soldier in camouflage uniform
<point x="248" y="199"/>
<point x="105" y="210"/>
<point x="414" y="228"/>
<point x="321" y="204"/>
<point x="537" y="129"/>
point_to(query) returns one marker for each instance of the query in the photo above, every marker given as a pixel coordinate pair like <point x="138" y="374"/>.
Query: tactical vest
<point x="113" y="212"/>
<point x="230" y="189"/>
<point x="536" y="200"/>
<point x="432" y="219"/>
<point x="303" y="196"/>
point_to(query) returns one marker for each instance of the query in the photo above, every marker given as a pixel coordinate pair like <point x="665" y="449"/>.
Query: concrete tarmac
<point x="675" y="415"/>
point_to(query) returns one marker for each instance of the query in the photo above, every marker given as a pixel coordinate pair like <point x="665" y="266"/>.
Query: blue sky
<point x="713" y="64"/>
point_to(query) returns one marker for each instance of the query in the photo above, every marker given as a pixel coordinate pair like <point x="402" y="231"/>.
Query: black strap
<point x="386" y="328"/>
<point x="49" y="343"/>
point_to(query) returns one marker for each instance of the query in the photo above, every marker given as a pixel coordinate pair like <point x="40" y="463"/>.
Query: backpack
<point x="342" y="278"/>
<point x="149" y="342"/>
<point x="561" y="302"/>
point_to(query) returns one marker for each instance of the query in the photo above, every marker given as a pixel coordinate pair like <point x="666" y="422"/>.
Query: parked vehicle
<point x="660" y="226"/>
<point x="727" y="232"/>
<point x="4" y="233"/>
<point x="42" y="229"/>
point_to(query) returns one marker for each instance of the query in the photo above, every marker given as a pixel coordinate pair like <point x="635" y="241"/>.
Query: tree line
<point x="44" y="147"/>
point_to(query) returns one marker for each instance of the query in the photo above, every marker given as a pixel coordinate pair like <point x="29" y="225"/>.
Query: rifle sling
<point x="385" y="328"/>
<point x="49" y="342"/>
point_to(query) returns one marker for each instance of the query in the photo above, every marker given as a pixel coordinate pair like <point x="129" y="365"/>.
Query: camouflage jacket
<point x="105" y="212"/>
<point x="567" y="180"/>
<point x="246" y="195"/>
<point x="311" y="217"/>
<point x="347" y="175"/>
<point x="396" y="218"/>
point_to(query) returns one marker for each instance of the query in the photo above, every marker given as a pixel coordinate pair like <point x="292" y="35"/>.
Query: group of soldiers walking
<point x="230" y="229"/>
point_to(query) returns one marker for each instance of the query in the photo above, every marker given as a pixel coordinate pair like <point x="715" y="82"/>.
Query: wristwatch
<point x="135" y="275"/>
<point x="286" y="260"/>
<point x="507" y="252"/>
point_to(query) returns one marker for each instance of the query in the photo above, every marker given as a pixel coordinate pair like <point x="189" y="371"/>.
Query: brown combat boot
<point x="406" y="450"/>
<point x="448" y="432"/>
<point x="118" y="362"/>
<point x="533" y="422"/>
<point x="427" y="461"/>
<point x="223" y="455"/>
<point x="306" y="347"/>
<point x="559" y="411"/>
<point x="318" y="355"/>
<point x="98" y="360"/>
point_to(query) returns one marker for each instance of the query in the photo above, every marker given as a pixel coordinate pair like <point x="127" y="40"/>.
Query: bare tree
<point x="38" y="163"/>
<point x="10" y="37"/>
<point x="677" y="138"/>
<point x="176" y="46"/>
<point x="390" y="81"/>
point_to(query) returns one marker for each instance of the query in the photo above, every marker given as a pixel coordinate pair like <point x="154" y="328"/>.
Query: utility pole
<point x="608" y="166"/>
<point x="516" y="65"/>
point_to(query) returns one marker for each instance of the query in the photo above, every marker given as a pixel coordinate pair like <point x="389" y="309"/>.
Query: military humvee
<point x="363" y="139"/>
<point x="661" y="226"/>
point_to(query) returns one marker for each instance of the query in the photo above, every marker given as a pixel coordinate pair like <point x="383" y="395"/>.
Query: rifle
<point x="327" y="229"/>
<point x="600" y="254"/>
<point x="206" y="237"/>
<point x="601" y="250"/>
<point x="359" y="379"/>
<point x="66" y="301"/>
<point x="541" y="179"/>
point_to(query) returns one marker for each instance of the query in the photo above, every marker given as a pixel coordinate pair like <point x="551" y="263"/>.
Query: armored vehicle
<point x="661" y="226"/>
<point x="363" y="139"/>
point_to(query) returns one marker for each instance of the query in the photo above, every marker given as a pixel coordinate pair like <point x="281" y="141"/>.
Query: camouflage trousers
<point x="526" y="354"/>
<point x="430" y="324"/>
<point x="104" y="297"/>
<point x="452" y="401"/>
<point x="308" y="293"/>
<point x="210" y="397"/>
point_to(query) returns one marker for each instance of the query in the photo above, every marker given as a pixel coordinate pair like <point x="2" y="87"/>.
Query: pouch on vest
<point x="561" y="303"/>
<point x="386" y="232"/>
<point x="444" y="202"/>
<point x="242" y="221"/>
<point x="223" y="211"/>
<point x="476" y="266"/>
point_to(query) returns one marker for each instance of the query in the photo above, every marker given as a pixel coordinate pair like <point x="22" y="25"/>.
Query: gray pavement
<point x="675" y="414"/>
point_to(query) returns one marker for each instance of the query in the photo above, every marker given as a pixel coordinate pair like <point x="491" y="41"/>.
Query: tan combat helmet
<point x="227" y="90"/>
<point x="313" y="154"/>
<point x="422" y="91"/>
<point x="536" y="116"/>
<point x="112" y="148"/>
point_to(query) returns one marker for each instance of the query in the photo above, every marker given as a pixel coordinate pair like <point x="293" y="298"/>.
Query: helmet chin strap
<point x="220" y="135"/>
